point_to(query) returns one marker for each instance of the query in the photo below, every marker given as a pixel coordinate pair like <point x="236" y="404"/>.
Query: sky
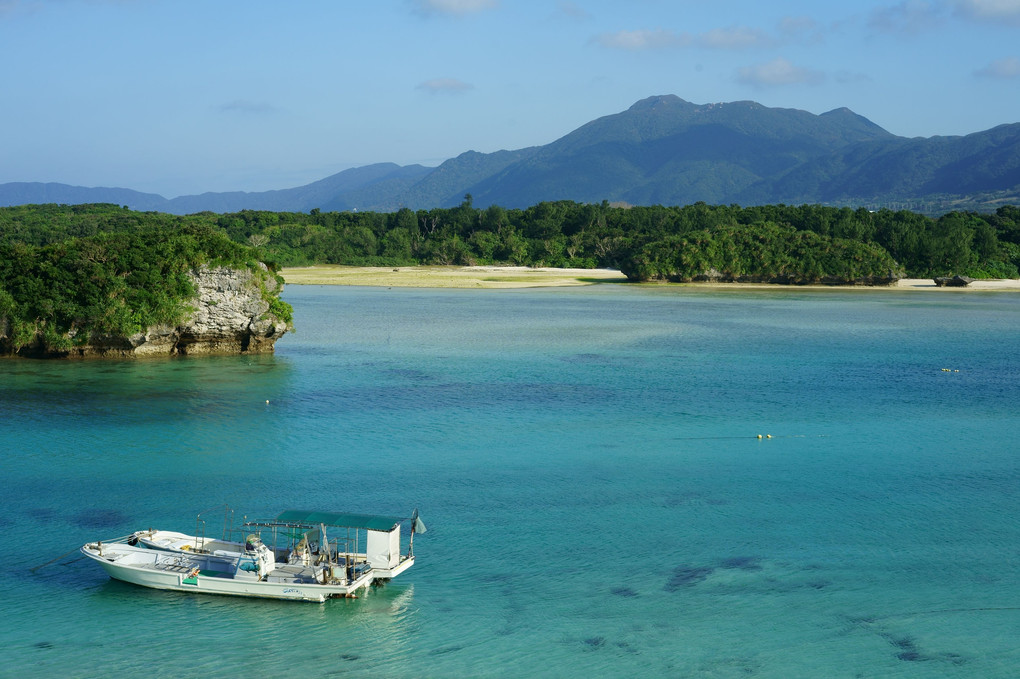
<point x="180" y="97"/>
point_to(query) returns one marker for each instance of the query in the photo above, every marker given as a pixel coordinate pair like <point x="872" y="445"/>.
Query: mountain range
<point x="662" y="150"/>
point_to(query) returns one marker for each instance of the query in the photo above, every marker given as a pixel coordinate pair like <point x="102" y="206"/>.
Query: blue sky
<point x="179" y="96"/>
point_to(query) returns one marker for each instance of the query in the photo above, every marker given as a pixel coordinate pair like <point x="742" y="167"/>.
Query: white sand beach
<point x="929" y="284"/>
<point x="526" y="277"/>
<point x="449" y="276"/>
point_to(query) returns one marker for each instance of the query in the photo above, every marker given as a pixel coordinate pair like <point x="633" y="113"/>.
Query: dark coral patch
<point x="687" y="576"/>
<point x="100" y="518"/>
<point x="744" y="563"/>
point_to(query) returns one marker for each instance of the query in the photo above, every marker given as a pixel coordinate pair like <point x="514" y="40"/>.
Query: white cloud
<point x="738" y="37"/>
<point x="430" y="7"/>
<point x="909" y="16"/>
<point x="248" y="107"/>
<point x="643" y="39"/>
<point x="445" y="86"/>
<point x="778" y="72"/>
<point x="794" y="27"/>
<point x="850" y="77"/>
<point x="18" y="7"/>
<point x="572" y="10"/>
<point x="1006" y="69"/>
<point x="998" y="11"/>
<point x="734" y="38"/>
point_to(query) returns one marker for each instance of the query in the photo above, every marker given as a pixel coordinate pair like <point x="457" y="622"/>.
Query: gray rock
<point x="229" y="316"/>
<point x="953" y="281"/>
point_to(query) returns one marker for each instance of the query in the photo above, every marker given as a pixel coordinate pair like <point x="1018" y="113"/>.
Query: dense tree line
<point x="70" y="274"/>
<point x="107" y="268"/>
<point x="568" y="234"/>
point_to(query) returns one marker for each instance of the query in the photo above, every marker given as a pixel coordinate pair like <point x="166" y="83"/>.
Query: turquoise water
<point x="588" y="466"/>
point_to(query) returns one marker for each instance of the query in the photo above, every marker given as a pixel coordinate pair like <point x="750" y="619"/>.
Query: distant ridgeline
<point x="73" y="272"/>
<point x="100" y="280"/>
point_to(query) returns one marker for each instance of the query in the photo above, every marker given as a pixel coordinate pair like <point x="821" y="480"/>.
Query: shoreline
<point x="495" y="277"/>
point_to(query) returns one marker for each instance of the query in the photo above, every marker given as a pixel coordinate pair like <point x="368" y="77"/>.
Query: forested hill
<point x="661" y="151"/>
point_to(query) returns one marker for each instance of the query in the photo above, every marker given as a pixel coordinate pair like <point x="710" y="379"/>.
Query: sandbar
<point x="448" y="276"/>
<point x="482" y="277"/>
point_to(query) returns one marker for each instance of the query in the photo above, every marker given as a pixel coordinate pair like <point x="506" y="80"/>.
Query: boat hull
<point x="193" y="573"/>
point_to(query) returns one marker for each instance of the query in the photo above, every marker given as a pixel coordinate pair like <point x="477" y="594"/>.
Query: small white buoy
<point x="768" y="436"/>
<point x="759" y="435"/>
<point x="267" y="401"/>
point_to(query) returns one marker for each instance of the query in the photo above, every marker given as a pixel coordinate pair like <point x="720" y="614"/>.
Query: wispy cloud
<point x="1004" y="69"/>
<point x="455" y="7"/>
<point x="996" y="11"/>
<point x="909" y="16"/>
<point x="917" y="16"/>
<point x="572" y="10"/>
<point x="738" y="37"/>
<point x="642" y="39"/>
<point x="13" y="7"/>
<point x="778" y="72"/>
<point x="850" y="77"/>
<point x="247" y="107"/>
<point x="790" y="29"/>
<point x="445" y="86"/>
<point x="793" y="28"/>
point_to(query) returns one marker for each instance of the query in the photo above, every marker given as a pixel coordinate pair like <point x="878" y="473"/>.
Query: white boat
<point x="198" y="543"/>
<point x="324" y="559"/>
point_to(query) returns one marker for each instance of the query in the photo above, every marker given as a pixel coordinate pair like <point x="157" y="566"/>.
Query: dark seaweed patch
<point x="954" y="658"/>
<point x="623" y="591"/>
<point x="43" y="514"/>
<point x="585" y="358"/>
<point x="687" y="576"/>
<point x="100" y="518"/>
<point x="445" y="649"/>
<point x="43" y="644"/>
<point x="408" y="374"/>
<point x="744" y="563"/>
<point x="908" y="649"/>
<point x="595" y="642"/>
<point x="902" y="642"/>
<point x="349" y="656"/>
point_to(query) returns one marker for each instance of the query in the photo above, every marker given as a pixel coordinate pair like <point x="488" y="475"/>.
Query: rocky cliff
<point x="229" y="315"/>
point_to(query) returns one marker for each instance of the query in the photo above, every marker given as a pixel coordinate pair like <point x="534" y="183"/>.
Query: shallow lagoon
<point x="588" y="465"/>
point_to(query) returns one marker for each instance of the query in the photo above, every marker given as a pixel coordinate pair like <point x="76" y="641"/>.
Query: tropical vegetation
<point x="68" y="272"/>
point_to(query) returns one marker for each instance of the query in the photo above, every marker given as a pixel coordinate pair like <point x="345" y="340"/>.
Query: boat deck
<point x="292" y="574"/>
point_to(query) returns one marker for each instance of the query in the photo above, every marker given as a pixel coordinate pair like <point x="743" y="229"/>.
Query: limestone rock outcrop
<point x="953" y="281"/>
<point x="229" y="315"/>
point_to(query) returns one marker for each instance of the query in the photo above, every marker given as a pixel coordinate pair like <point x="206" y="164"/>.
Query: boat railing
<point x="200" y="525"/>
